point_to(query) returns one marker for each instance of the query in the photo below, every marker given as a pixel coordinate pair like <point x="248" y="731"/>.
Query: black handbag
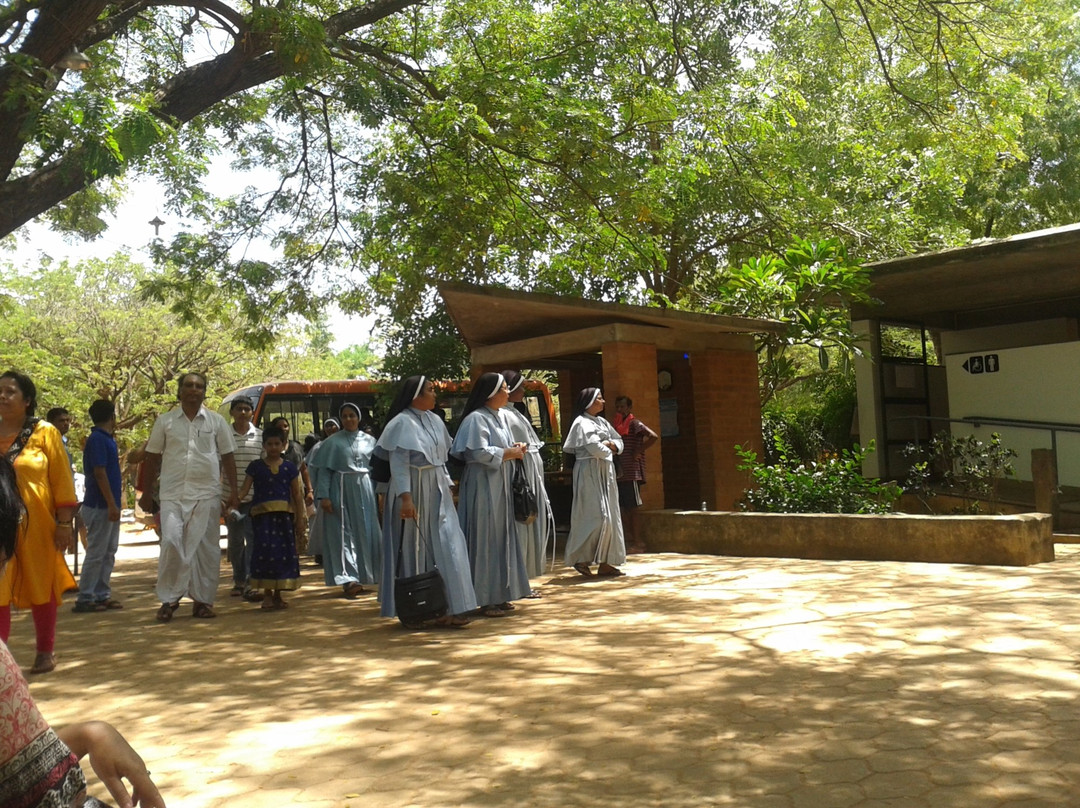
<point x="419" y="598"/>
<point x="525" y="508"/>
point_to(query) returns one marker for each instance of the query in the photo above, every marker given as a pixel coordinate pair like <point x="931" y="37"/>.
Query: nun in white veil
<point x="485" y="498"/>
<point x="596" y="532"/>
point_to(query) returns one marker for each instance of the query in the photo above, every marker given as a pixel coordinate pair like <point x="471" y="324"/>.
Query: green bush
<point x="960" y="465"/>
<point x="812" y="419"/>
<point x="834" y="484"/>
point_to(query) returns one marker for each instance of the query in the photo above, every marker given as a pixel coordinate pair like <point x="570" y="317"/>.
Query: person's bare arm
<point x="64" y="532"/>
<point x="649" y="439"/>
<point x="113" y="760"/>
<point x="299" y="507"/>
<point x="228" y="461"/>
<point x="308" y="492"/>
<point x="151" y="471"/>
<point x="248" y="482"/>
<point x="101" y="477"/>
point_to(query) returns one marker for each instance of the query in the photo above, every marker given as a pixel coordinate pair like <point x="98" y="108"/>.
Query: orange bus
<point x="308" y="404"/>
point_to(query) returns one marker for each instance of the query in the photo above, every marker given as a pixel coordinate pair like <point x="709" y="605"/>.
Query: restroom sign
<point x="982" y="363"/>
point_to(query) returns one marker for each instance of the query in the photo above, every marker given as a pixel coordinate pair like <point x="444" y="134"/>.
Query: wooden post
<point x="1044" y="478"/>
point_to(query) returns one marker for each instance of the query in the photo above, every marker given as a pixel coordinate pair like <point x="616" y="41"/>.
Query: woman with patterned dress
<point x="485" y="497"/>
<point x="419" y="520"/>
<point x="40" y="767"/>
<point x="596" y="534"/>
<point x="37" y="576"/>
<point x="277" y="519"/>
<point x="351" y="536"/>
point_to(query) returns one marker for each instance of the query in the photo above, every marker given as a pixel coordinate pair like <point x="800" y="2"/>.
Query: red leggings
<point x="44" y="625"/>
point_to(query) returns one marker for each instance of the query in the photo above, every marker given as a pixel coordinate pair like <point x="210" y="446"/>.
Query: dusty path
<point x="694" y="681"/>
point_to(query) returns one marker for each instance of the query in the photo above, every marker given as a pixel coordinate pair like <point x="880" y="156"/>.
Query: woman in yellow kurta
<point x="37" y="576"/>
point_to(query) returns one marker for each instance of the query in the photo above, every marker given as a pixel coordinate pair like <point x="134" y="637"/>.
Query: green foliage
<point x="907" y="342"/>
<point x="360" y="362"/>
<point x="623" y="151"/>
<point x="959" y="465"/>
<point x="812" y="419"/>
<point x="807" y="287"/>
<point x="831" y="485"/>
<point x="428" y="343"/>
<point x="82" y="332"/>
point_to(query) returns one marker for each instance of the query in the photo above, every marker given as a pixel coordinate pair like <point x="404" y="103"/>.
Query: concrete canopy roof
<point x="1031" y="276"/>
<point x="512" y="327"/>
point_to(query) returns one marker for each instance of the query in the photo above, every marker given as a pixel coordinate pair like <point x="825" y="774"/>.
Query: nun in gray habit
<point x="484" y="444"/>
<point x="536" y="536"/>
<point x="315" y="524"/>
<point x="350" y="521"/>
<point x="419" y="521"/>
<point x="596" y="533"/>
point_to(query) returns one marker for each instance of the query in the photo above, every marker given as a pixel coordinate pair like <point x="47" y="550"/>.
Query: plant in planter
<point x="834" y="484"/>
<point x="961" y="466"/>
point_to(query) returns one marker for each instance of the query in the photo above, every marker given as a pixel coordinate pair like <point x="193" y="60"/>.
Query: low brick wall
<point x="1016" y="540"/>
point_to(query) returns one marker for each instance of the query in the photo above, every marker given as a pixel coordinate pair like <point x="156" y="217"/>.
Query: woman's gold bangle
<point x="69" y="524"/>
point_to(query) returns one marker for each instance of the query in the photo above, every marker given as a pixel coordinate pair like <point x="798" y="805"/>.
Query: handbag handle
<point x="401" y="544"/>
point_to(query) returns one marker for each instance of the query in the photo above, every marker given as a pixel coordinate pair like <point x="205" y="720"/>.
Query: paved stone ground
<point x="695" y="681"/>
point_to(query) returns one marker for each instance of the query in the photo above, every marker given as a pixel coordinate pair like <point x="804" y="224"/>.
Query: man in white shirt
<point x="190" y="447"/>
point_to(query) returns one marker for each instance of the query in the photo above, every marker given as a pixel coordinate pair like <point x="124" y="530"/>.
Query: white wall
<point x="1036" y="383"/>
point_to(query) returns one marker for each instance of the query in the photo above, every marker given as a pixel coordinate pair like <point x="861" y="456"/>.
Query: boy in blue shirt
<point x="100" y="511"/>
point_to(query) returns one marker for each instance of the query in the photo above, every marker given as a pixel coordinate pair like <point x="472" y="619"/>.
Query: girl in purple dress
<point x="277" y="517"/>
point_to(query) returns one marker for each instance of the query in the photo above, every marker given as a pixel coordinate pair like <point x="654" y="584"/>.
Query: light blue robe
<point x="485" y="510"/>
<point x="315" y="523"/>
<point x="352" y="548"/>
<point x="596" y="532"/>
<point x="534" y="538"/>
<point x="416" y="444"/>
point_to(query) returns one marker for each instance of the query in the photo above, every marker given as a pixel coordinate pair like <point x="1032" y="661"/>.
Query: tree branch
<point x="62" y="23"/>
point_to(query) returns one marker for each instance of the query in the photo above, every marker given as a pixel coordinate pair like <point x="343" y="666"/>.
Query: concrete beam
<point x="589" y="340"/>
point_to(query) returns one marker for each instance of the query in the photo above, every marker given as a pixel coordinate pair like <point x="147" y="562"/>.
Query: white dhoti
<point x="190" y="559"/>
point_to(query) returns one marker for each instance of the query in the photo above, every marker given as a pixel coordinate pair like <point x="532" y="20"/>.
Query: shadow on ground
<point x="693" y="681"/>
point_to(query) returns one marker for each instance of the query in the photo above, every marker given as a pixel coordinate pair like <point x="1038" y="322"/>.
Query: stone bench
<point x="1012" y="540"/>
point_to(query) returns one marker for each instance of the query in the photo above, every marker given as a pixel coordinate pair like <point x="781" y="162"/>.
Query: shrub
<point x="813" y="419"/>
<point x="834" y="484"/>
<point x="960" y="465"/>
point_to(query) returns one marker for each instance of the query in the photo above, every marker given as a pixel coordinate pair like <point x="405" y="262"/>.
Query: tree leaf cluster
<point x="809" y="287"/>
<point x="82" y="331"/>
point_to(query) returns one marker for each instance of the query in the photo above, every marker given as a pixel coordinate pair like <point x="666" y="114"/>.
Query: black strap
<point x="24" y="435"/>
<point x="401" y="546"/>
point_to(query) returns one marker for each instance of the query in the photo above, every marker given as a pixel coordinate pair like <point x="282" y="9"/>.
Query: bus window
<point x="297" y="411"/>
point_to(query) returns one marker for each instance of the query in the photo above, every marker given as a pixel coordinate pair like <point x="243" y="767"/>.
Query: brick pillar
<point x="727" y="411"/>
<point x="567" y="393"/>
<point x="630" y="370"/>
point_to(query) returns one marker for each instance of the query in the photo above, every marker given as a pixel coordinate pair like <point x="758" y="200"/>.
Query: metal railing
<point x="1053" y="427"/>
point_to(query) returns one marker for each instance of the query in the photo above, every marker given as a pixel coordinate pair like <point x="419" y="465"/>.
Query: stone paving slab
<point x="694" y="681"/>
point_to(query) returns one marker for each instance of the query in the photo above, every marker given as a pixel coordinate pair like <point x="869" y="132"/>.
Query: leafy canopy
<point x="619" y="150"/>
<point x="81" y="331"/>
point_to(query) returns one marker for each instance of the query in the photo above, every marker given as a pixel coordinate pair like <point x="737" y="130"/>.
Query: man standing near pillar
<point x="631" y="476"/>
<point x="189" y="447"/>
